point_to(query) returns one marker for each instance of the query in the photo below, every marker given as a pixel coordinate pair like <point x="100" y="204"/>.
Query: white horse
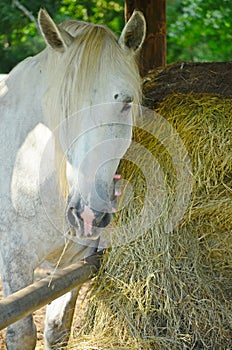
<point x="65" y="122"/>
<point x="3" y="76"/>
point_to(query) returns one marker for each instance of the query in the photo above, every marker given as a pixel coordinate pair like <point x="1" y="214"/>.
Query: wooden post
<point x="153" y="53"/>
<point x="33" y="297"/>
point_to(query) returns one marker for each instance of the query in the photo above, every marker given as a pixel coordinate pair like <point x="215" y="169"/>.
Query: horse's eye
<point x="123" y="98"/>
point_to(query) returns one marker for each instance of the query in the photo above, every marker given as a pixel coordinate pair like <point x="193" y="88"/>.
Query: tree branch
<point x="27" y="13"/>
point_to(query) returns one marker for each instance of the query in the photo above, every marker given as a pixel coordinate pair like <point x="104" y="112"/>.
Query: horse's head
<point x="94" y="83"/>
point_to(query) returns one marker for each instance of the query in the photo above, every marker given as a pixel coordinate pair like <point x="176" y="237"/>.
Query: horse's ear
<point x="134" y="32"/>
<point x="56" y="38"/>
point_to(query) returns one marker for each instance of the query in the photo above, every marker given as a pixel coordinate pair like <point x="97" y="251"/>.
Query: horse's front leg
<point x="21" y="335"/>
<point x="17" y="273"/>
<point x="59" y="318"/>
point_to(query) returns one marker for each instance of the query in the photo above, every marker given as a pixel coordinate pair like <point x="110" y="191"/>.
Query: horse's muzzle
<point x="86" y="221"/>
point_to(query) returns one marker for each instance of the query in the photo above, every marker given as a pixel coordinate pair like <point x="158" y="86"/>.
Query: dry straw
<point x="172" y="290"/>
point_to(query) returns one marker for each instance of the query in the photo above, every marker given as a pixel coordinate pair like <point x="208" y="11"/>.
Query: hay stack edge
<point x="172" y="289"/>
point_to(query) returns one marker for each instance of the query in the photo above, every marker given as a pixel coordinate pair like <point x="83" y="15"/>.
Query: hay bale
<point x="186" y="77"/>
<point x="172" y="290"/>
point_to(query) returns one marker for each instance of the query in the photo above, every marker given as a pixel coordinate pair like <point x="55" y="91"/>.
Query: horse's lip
<point x="78" y="237"/>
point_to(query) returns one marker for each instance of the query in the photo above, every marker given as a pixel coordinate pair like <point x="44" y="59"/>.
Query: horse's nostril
<point x="123" y="98"/>
<point x="73" y="216"/>
<point x="103" y="220"/>
<point x="99" y="218"/>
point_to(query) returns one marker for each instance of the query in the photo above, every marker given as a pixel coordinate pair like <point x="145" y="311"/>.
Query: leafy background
<point x="199" y="30"/>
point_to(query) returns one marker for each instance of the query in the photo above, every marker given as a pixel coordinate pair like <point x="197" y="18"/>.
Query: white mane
<point x="94" y="53"/>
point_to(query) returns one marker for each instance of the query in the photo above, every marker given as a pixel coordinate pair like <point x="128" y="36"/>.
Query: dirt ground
<point x="39" y="315"/>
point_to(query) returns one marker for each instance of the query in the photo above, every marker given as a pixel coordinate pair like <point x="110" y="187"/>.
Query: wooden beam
<point x="153" y="53"/>
<point x="33" y="297"/>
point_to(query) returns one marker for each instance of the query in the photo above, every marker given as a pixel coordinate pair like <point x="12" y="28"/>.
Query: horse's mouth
<point x="89" y="227"/>
<point x="85" y="222"/>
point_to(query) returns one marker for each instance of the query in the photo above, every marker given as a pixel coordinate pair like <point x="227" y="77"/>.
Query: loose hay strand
<point x="173" y="290"/>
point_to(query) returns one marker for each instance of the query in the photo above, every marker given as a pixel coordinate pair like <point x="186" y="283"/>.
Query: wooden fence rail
<point x="38" y="294"/>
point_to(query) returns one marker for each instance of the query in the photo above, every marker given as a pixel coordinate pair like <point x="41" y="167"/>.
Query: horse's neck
<point x="21" y="96"/>
<point x="26" y="87"/>
<point x="22" y="133"/>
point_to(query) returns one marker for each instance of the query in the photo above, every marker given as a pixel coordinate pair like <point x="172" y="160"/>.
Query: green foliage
<point x="19" y="37"/>
<point x="95" y="11"/>
<point x="199" y="30"/>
